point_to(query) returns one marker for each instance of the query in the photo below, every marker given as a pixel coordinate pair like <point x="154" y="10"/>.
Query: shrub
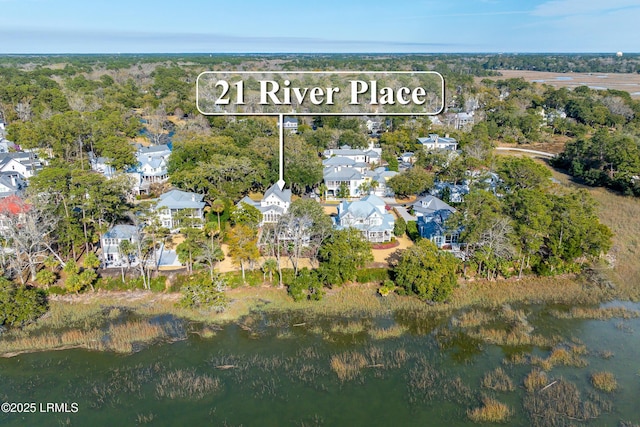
<point x="306" y="285"/>
<point x="206" y="294"/>
<point x="400" y="227"/>
<point x="20" y="305"/>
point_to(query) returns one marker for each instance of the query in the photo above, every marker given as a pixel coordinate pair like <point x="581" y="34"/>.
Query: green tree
<point x="20" y="305"/>
<point x="269" y="266"/>
<point x="413" y="181"/>
<point x="246" y="214"/>
<point x="46" y="277"/>
<point x="208" y="294"/>
<point x="400" y="227"/>
<point x="343" y="191"/>
<point x="243" y="247"/>
<point x="425" y="271"/>
<point x="341" y="255"/>
<point x="218" y="207"/>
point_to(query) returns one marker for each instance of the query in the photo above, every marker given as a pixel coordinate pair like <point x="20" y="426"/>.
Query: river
<point x="291" y="369"/>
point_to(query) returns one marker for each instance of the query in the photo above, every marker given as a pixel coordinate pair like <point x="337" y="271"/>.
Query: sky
<point x="400" y="26"/>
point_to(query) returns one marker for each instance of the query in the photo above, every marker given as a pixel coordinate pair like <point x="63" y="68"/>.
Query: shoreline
<point x="87" y="320"/>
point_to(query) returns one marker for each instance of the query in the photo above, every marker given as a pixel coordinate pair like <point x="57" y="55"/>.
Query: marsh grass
<point x="491" y="411"/>
<point x="604" y="381"/>
<point x="121" y="337"/>
<point x="535" y="380"/>
<point x="186" y="384"/>
<point x="350" y="327"/>
<point x="394" y="331"/>
<point x="597" y="313"/>
<point x="471" y="319"/>
<point x="560" y="403"/>
<point x="348" y="365"/>
<point x="497" y="380"/>
<point x="426" y="383"/>
<point x="562" y="355"/>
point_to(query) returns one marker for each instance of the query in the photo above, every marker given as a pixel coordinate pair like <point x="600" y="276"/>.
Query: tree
<point x="20" y="305"/>
<point x="218" y="207"/>
<point x="341" y="255"/>
<point x="91" y="260"/>
<point x="208" y="294"/>
<point x="190" y="247"/>
<point x="413" y="181"/>
<point x="427" y="272"/>
<point x="246" y="214"/>
<point x="303" y="229"/>
<point x="210" y="254"/>
<point x="305" y="285"/>
<point x="243" y="247"/>
<point x="522" y="172"/>
<point x="343" y="191"/>
<point x="269" y="267"/>
<point x="46" y="277"/>
<point x="400" y="227"/>
<point x="28" y="230"/>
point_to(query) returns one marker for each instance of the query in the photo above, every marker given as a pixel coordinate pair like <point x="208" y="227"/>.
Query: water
<point x="279" y="374"/>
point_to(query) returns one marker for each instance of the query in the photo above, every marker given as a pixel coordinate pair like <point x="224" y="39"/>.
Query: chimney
<point x="193" y="197"/>
<point x="13" y="180"/>
<point x="446" y="135"/>
<point x="149" y="158"/>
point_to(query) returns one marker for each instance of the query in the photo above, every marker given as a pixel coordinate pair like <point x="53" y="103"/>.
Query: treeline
<point x="527" y="224"/>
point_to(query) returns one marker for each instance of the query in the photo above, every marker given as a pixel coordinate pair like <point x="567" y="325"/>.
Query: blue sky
<point x="134" y="26"/>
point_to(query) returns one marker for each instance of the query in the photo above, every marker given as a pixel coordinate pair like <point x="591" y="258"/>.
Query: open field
<point x="626" y="82"/>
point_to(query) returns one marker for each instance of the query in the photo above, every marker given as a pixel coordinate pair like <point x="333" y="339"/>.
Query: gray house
<point x="176" y="205"/>
<point x="110" y="243"/>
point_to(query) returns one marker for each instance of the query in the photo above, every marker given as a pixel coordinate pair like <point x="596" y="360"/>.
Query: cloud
<point x="557" y="8"/>
<point x="87" y="41"/>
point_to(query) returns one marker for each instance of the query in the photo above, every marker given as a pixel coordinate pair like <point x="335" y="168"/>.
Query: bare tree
<point x="23" y="109"/>
<point x="28" y="231"/>
<point x="155" y="123"/>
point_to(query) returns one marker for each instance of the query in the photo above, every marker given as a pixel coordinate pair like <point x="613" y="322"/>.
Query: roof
<point x="121" y="231"/>
<point x="339" y="161"/>
<point x="433" y="138"/>
<point x="13" y="205"/>
<point x="292" y="120"/>
<point x="433" y="224"/>
<point x="364" y="208"/>
<point x="345" y="174"/>
<point x="177" y="199"/>
<point x="153" y="149"/>
<point x="284" y="195"/>
<point x="430" y="204"/>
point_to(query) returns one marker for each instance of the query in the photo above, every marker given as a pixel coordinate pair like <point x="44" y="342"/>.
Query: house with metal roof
<point x="178" y="208"/>
<point x="368" y="215"/>
<point x="435" y="142"/>
<point x="25" y="163"/>
<point x="273" y="205"/>
<point x="11" y="184"/>
<point x="428" y="205"/>
<point x="110" y="242"/>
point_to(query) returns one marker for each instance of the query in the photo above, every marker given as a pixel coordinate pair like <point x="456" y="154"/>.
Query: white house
<point x="11" y="184"/>
<point x="26" y="164"/>
<point x="434" y="142"/>
<point x="369" y="215"/>
<point x="111" y="241"/>
<point x="273" y="205"/>
<point x="338" y="176"/>
<point x="153" y="162"/>
<point x="290" y="124"/>
<point x="176" y="205"/>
